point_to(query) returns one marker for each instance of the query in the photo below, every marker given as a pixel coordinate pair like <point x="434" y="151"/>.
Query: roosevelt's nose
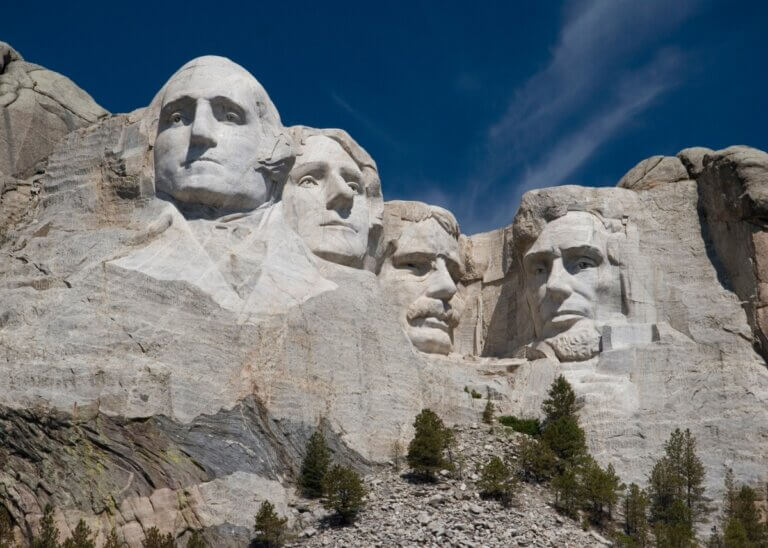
<point x="204" y="125"/>
<point x="559" y="281"/>
<point x="338" y="194"/>
<point x="440" y="284"/>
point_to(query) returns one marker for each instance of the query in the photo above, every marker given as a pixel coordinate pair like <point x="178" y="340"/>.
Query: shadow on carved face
<point x="420" y="274"/>
<point x="209" y="135"/>
<point x="325" y="202"/>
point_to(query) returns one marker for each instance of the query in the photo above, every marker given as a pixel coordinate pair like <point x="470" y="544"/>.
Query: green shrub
<point x="532" y="427"/>
<point x="430" y="440"/>
<point x="270" y="528"/>
<point x="488" y="412"/>
<point x="113" y="541"/>
<point x="81" y="537"/>
<point x="496" y="480"/>
<point x="344" y="492"/>
<point x="154" y="539"/>
<point x="538" y="463"/>
<point x="317" y="458"/>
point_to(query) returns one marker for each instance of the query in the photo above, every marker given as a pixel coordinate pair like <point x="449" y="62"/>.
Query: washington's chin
<point x="431" y="335"/>
<point x="212" y="186"/>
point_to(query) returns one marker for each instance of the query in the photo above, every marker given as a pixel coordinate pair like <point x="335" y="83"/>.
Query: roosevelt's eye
<point x="176" y="117"/>
<point x="307" y="181"/>
<point x="233" y="117"/>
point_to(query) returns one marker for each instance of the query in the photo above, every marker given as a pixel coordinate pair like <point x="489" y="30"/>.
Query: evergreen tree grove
<point x="314" y="466"/>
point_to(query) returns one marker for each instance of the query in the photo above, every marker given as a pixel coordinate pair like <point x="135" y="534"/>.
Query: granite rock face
<point x="171" y="336"/>
<point x="39" y="107"/>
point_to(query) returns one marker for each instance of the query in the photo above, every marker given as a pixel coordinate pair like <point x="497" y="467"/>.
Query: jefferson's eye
<point x="355" y="186"/>
<point x="176" y="117"/>
<point x="233" y="117"/>
<point x="417" y="268"/>
<point x="307" y="181"/>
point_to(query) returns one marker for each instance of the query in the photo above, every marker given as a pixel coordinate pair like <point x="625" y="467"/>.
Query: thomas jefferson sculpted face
<point x="570" y="281"/>
<point x="212" y="123"/>
<point x="326" y="203"/>
<point x="419" y="274"/>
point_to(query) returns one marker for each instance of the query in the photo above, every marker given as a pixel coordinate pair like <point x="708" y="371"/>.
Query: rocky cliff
<point x="189" y="290"/>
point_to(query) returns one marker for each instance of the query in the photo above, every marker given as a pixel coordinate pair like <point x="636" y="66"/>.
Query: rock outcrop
<point x="188" y="291"/>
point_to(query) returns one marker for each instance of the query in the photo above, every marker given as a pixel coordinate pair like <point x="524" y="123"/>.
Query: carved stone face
<point x="208" y="137"/>
<point x="421" y="278"/>
<point x="569" y="279"/>
<point x="325" y="202"/>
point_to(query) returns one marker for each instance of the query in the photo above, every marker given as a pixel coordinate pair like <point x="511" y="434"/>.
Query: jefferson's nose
<point x="440" y="284"/>
<point x="338" y="195"/>
<point x="204" y="125"/>
<point x="558" y="282"/>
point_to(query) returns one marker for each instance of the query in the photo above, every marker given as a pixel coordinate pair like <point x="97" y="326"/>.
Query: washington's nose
<point x="441" y="285"/>
<point x="203" y="126"/>
<point x="558" y="282"/>
<point x="338" y="195"/>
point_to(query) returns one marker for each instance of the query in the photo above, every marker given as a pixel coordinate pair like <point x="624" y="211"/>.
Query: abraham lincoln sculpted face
<point x="215" y="119"/>
<point x="572" y="284"/>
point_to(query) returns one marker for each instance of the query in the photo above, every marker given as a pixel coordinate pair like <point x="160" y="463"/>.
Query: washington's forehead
<point x="572" y="230"/>
<point x="427" y="237"/>
<point x="208" y="81"/>
<point x="319" y="148"/>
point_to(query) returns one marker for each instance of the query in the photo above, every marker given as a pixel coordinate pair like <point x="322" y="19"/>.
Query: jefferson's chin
<point x="431" y="335"/>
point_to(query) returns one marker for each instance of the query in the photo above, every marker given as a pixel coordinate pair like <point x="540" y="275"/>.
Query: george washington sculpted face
<point x="213" y="121"/>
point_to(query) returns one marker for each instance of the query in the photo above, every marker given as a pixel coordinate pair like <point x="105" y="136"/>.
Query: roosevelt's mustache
<point x="424" y="307"/>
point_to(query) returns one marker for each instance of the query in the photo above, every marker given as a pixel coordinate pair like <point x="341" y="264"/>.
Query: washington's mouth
<point x="189" y="163"/>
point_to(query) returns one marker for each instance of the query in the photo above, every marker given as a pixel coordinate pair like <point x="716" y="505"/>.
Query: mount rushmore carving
<point x="194" y="272"/>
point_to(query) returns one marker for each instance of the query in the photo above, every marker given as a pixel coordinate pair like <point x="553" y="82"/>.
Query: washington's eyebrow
<point x="413" y="255"/>
<point x="178" y="102"/>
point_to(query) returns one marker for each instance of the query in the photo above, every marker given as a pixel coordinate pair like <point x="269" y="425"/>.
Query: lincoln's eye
<point x="232" y="117"/>
<point x="539" y="270"/>
<point x="307" y="181"/>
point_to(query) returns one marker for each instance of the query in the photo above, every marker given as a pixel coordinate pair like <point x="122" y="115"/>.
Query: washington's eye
<point x="307" y="181"/>
<point x="176" y="117"/>
<point x="233" y="117"/>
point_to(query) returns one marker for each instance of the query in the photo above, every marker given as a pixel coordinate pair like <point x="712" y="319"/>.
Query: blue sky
<point x="464" y="104"/>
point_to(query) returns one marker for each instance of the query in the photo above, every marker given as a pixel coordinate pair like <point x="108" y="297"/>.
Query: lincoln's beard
<point x="579" y="343"/>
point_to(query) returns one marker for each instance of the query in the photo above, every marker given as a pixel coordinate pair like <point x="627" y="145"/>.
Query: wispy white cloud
<point x="364" y="121"/>
<point x="608" y="66"/>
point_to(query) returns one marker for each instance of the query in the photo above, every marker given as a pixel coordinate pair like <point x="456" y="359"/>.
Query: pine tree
<point x="600" y="489"/>
<point x="196" y="540"/>
<point x="270" y="528"/>
<point x="154" y="539"/>
<point x="496" y="480"/>
<point x="740" y="514"/>
<point x="430" y="440"/>
<point x="567" y="487"/>
<point x="636" y="515"/>
<point x="49" y="533"/>
<point x="488" y="412"/>
<point x="7" y="539"/>
<point x="735" y="535"/>
<point x="344" y="492"/>
<point x="113" y="541"/>
<point x="314" y="466"/>
<point x="81" y="537"/>
<point x="538" y="462"/>
<point x="561" y="430"/>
